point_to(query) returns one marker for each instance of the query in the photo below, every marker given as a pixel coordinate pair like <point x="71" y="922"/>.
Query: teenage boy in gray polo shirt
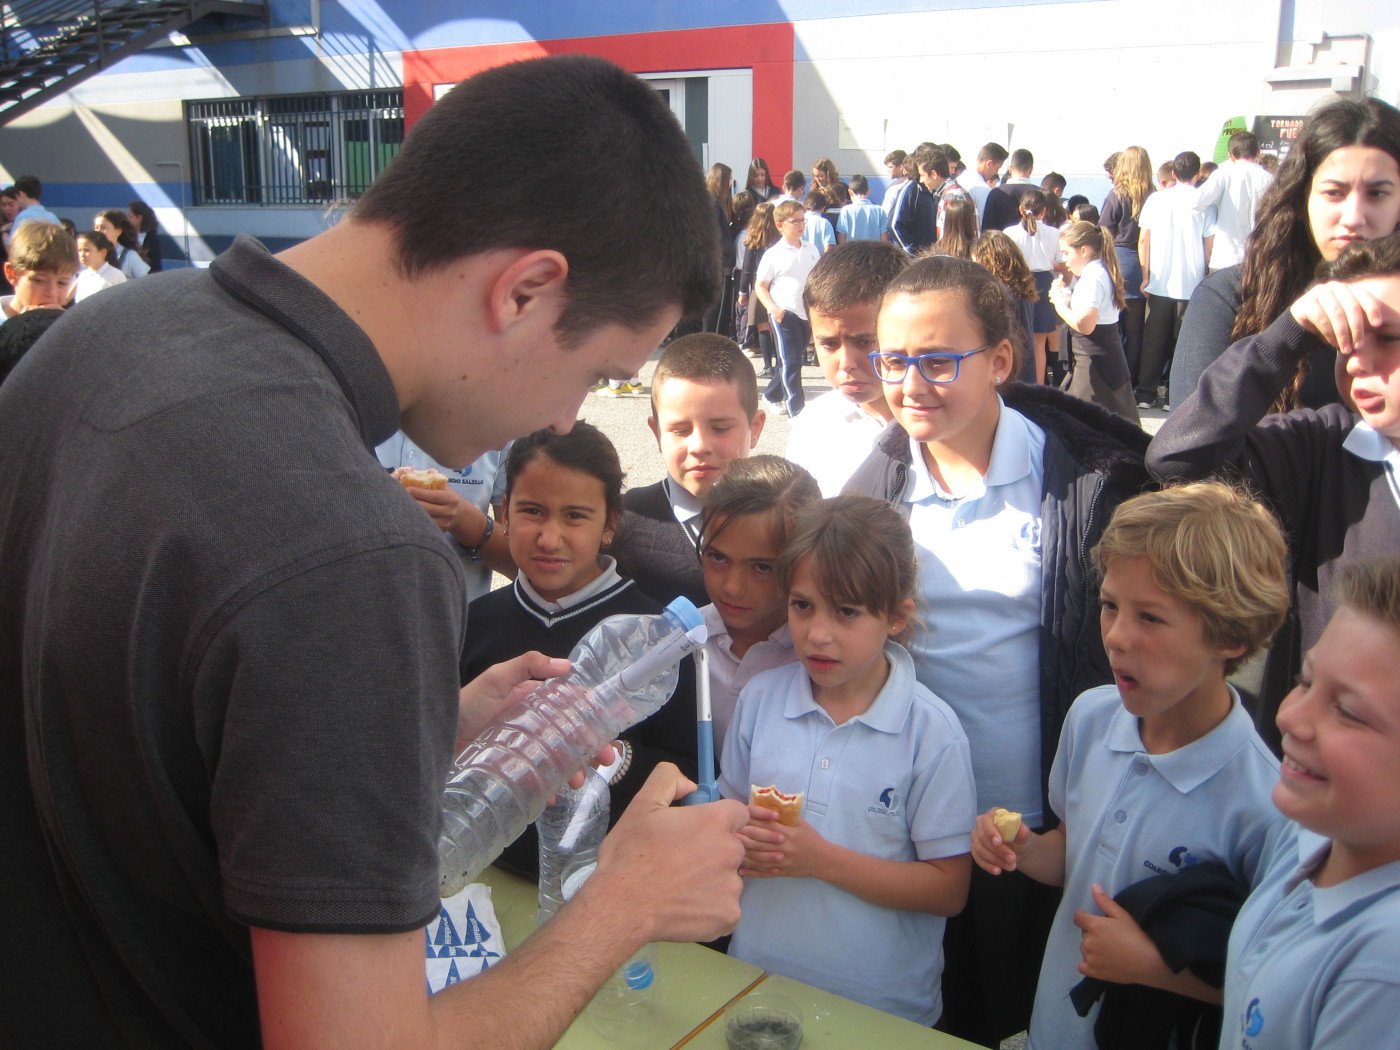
<point x="229" y="640"/>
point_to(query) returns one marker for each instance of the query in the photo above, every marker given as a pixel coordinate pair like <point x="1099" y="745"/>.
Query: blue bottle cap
<point x="684" y="610"/>
<point x="638" y="973"/>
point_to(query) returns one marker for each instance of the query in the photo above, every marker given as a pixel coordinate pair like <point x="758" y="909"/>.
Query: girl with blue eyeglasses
<point x="1006" y="487"/>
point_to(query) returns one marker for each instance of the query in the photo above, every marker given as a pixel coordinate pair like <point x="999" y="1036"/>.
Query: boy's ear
<point x="11" y="274"/>
<point x="756" y="428"/>
<point x="655" y="428"/>
<point x="532" y="281"/>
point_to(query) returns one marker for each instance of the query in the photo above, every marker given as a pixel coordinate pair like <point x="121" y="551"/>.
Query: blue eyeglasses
<point x="935" y="368"/>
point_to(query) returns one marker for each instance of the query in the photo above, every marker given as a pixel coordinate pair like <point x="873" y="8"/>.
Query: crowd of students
<point x="50" y="263"/>
<point x="963" y="589"/>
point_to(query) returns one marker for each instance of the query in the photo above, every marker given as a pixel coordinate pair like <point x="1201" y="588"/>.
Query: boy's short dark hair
<point x="816" y="199"/>
<point x="506" y="118"/>
<point x="707" y="357"/>
<point x="896" y="156"/>
<point x="1054" y="182"/>
<point x="29" y="185"/>
<point x="793" y="182"/>
<point x="929" y="157"/>
<point x="858" y="184"/>
<point x="1362" y="259"/>
<point x="851" y="274"/>
<point x="1022" y="160"/>
<point x="992" y="151"/>
<point x="39" y="245"/>
<point x="954" y="156"/>
<point x="1186" y="166"/>
<point x="1244" y="144"/>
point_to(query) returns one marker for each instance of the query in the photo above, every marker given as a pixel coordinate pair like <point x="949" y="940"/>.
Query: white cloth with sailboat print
<point x="465" y="939"/>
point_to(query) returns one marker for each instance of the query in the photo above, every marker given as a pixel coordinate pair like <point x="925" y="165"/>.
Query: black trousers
<point x="1164" y="318"/>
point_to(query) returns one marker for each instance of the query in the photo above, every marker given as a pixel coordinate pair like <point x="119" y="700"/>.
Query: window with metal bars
<point x="292" y="149"/>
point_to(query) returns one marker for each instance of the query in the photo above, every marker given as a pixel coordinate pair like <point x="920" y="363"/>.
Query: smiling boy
<point x="704" y="415"/>
<point x="1312" y="953"/>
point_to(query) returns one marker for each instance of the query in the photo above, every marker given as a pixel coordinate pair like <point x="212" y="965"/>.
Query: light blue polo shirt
<point x="862" y="221"/>
<point x="1130" y="815"/>
<point x="895" y="783"/>
<point x="1310" y="967"/>
<point x="979" y="591"/>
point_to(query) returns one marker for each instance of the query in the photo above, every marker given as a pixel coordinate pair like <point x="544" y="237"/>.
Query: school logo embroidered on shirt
<point x="888" y="804"/>
<point x="1253" y="1018"/>
<point x="1181" y="857"/>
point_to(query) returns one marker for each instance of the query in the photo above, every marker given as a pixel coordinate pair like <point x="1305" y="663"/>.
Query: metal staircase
<point x="47" y="46"/>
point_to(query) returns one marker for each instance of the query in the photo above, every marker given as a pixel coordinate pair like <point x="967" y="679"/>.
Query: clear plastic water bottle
<point x="571" y="829"/>
<point x="624" y="1012"/>
<point x="623" y="670"/>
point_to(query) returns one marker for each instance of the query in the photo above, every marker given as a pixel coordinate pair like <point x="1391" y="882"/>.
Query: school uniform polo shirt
<point x="1313" y="968"/>
<point x="979" y="591"/>
<point x="831" y="438"/>
<point x="729" y="673"/>
<point x="1130" y="815"/>
<point x="861" y="221"/>
<point x="894" y="782"/>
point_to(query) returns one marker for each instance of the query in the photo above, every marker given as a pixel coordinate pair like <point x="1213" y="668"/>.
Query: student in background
<point x="836" y="432"/>
<point x="97" y="272"/>
<point x="42" y="267"/>
<point x="704" y="415"/>
<point x="781" y="276"/>
<point x="1132" y="185"/>
<point x="999" y="256"/>
<point x="860" y="220"/>
<point x="1039" y="242"/>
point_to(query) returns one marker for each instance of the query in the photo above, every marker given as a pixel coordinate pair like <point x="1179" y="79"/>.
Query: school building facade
<point x="261" y="125"/>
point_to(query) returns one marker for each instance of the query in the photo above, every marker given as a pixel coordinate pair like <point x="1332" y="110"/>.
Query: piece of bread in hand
<point x="789" y="807"/>
<point x="413" y="478"/>
<point x="1008" y="824"/>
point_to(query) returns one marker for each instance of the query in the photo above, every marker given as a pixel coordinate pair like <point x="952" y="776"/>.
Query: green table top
<point x="694" y="984"/>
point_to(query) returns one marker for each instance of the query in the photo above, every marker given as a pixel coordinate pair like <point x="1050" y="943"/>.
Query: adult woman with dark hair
<point x="116" y="227"/>
<point x="759" y="181"/>
<point x="720" y="183"/>
<point x="1340" y="184"/>
<point x="143" y="220"/>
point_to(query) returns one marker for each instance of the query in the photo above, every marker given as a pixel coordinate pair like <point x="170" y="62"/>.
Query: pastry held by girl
<point x="743" y="529"/>
<point x="1007" y="487"/>
<point x="853" y="898"/>
<point x="1098" y="370"/>
<point x="562" y="505"/>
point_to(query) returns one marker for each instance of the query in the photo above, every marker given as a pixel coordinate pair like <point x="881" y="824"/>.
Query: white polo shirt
<point x="729" y="673"/>
<point x="1176" y="248"/>
<point x="1130" y="815"/>
<point x="1228" y="201"/>
<point x="1313" y="968"/>
<point x="1365" y="442"/>
<point x="831" y="438"/>
<point x="785" y="269"/>
<point x="1095" y="288"/>
<point x="979" y="598"/>
<point x="893" y="783"/>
